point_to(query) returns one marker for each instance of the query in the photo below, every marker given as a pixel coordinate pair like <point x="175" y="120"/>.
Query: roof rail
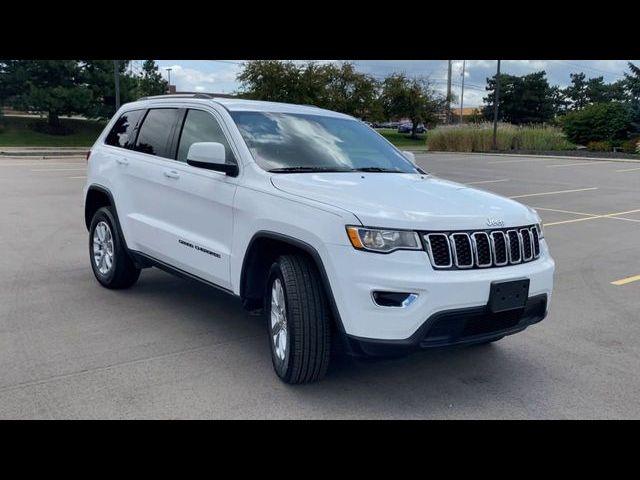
<point x="178" y="95"/>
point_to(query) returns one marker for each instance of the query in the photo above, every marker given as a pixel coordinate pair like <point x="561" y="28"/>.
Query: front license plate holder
<point x="508" y="295"/>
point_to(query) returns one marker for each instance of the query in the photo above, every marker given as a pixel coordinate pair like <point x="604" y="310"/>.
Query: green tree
<point x="576" y="92"/>
<point x="97" y="75"/>
<point x="523" y="100"/>
<point x="411" y="98"/>
<point x="52" y="86"/>
<point x="273" y="80"/>
<point x="151" y="81"/>
<point x="597" y="123"/>
<point x="632" y="82"/>
<point x="349" y="91"/>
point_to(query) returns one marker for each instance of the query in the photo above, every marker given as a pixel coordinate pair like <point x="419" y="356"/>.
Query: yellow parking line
<point x="576" y="164"/>
<point x="556" y="192"/>
<point x="628" y="169"/>
<point x="615" y="216"/>
<point x="566" y="211"/>
<point x="624" y="281"/>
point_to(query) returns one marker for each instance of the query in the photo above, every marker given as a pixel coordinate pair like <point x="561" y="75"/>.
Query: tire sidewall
<point x="281" y="367"/>
<point x="105" y="215"/>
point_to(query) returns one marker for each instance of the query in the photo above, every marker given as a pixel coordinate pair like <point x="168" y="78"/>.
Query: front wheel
<point x="298" y="320"/>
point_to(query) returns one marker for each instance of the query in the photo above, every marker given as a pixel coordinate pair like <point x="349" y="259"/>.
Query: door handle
<point x="171" y="174"/>
<point x="122" y="161"/>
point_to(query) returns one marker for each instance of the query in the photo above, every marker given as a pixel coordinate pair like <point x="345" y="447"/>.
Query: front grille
<point x="483" y="248"/>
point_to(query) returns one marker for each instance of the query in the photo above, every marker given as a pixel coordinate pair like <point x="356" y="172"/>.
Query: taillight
<point x="88" y="155"/>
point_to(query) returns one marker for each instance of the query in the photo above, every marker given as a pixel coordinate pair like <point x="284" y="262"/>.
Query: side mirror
<point x="410" y="156"/>
<point x="210" y="155"/>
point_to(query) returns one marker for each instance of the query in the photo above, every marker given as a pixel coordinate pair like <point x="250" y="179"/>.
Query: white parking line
<point x="520" y="160"/>
<point x="56" y="169"/>
<point x="560" y="165"/>
<point x="555" y="193"/>
<point x="628" y="169"/>
<point x="487" y="181"/>
<point x="83" y="176"/>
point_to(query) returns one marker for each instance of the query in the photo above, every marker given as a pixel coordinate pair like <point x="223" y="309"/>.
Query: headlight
<point x="385" y="241"/>
<point x="540" y="231"/>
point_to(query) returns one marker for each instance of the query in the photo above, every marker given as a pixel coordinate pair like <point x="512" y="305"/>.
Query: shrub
<point x="597" y="123"/>
<point x="630" y="146"/>
<point x="638" y="147"/>
<point x="479" y="138"/>
<point x="599" y="146"/>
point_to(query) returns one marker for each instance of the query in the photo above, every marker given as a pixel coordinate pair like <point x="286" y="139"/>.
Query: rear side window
<point x="155" y="133"/>
<point x="123" y="132"/>
<point x="201" y="126"/>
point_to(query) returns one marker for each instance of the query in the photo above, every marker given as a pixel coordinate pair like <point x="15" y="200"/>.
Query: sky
<point x="219" y="76"/>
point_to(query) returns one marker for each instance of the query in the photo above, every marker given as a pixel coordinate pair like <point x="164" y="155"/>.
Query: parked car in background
<point x="407" y="127"/>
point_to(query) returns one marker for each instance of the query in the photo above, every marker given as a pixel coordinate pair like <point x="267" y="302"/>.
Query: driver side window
<point x="200" y="126"/>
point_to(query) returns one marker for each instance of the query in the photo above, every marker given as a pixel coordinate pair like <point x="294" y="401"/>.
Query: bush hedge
<point x="479" y="138"/>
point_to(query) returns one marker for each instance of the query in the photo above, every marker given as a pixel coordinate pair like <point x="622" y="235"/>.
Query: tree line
<point x="341" y="88"/>
<point x="74" y="87"/>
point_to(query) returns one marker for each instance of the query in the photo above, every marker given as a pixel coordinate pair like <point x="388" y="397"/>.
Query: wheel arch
<point x="262" y="250"/>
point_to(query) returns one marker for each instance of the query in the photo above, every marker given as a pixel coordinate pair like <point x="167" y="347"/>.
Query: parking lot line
<point x="560" y="165"/>
<point x="56" y="169"/>
<point x="628" y="169"/>
<point x="555" y="193"/>
<point x="624" y="281"/>
<point x="487" y="181"/>
<point x="82" y="176"/>
<point x="565" y="211"/>
<point x="615" y="215"/>
<point x="520" y="160"/>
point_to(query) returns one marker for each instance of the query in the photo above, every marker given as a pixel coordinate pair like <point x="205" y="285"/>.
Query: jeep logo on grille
<point x="495" y="222"/>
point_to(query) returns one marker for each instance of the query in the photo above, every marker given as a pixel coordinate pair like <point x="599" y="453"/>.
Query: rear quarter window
<point x="122" y="134"/>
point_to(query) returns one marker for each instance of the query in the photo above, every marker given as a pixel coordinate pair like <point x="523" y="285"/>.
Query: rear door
<point x="182" y="214"/>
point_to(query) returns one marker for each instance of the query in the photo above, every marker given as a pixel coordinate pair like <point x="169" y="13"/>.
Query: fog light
<point x="394" y="299"/>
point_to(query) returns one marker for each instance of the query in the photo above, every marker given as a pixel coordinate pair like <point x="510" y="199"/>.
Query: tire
<point x="117" y="270"/>
<point x="302" y="356"/>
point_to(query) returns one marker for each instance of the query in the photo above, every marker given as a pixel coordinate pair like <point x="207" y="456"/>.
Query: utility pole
<point x="462" y="93"/>
<point x="169" y="73"/>
<point x="449" y="94"/>
<point x="495" y="109"/>
<point x="116" y="78"/>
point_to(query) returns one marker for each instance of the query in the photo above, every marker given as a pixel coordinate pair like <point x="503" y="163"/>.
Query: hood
<point x="409" y="201"/>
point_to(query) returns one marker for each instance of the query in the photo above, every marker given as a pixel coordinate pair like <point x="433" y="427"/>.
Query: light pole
<point x="495" y="110"/>
<point x="116" y="79"/>
<point x="169" y="73"/>
<point x="464" y="62"/>
<point x="449" y="93"/>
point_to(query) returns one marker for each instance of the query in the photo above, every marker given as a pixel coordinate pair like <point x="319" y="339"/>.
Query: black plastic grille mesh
<point x="483" y="249"/>
<point x="463" y="249"/>
<point x="440" y="250"/>
<point x="500" y="247"/>
<point x="514" y="246"/>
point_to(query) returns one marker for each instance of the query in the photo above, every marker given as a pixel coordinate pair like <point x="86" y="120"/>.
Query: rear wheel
<point x="110" y="262"/>
<point x="298" y="320"/>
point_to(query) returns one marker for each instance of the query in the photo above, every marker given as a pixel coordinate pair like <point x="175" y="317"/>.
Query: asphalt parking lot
<point x="168" y="348"/>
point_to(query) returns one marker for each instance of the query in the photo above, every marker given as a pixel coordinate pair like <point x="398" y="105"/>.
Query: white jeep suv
<point x="314" y="218"/>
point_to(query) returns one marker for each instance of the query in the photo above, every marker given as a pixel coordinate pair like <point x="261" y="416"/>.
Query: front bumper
<point x="456" y="327"/>
<point x="354" y="275"/>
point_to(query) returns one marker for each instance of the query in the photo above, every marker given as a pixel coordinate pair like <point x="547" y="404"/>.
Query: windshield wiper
<point x="377" y="169"/>
<point x="301" y="169"/>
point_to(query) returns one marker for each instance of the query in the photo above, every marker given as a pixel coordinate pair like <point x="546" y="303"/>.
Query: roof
<point x="241" y="105"/>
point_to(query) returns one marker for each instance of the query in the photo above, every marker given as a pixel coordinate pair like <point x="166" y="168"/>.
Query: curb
<point x="44" y="153"/>
<point x="567" y="157"/>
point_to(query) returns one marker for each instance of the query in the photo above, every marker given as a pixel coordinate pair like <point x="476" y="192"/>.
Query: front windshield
<point x="285" y="142"/>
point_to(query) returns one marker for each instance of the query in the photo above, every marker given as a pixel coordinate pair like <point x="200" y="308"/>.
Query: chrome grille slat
<point x="483" y="248"/>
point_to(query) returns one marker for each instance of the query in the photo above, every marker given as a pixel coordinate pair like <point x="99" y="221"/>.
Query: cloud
<point x="190" y="79"/>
